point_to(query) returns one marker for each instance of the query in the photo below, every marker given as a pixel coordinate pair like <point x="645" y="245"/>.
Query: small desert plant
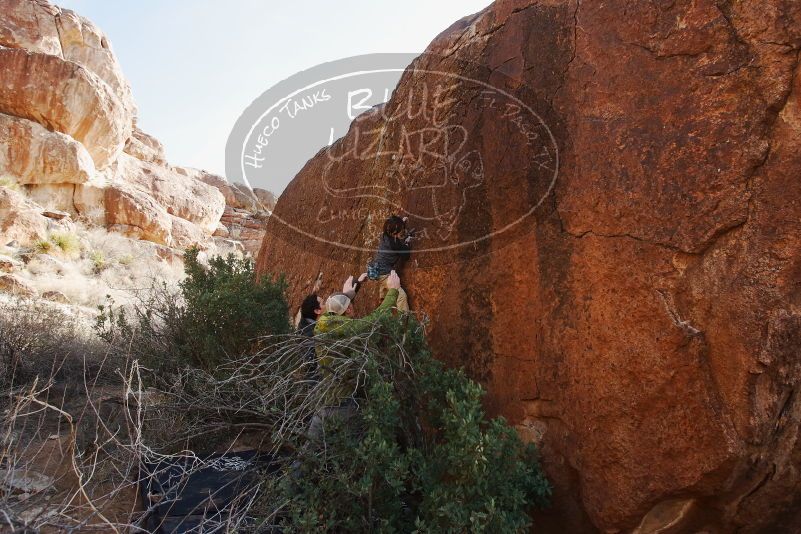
<point x="125" y="260"/>
<point x="10" y="183"/>
<point x="66" y="242"/>
<point x="43" y="246"/>
<point x="98" y="260"/>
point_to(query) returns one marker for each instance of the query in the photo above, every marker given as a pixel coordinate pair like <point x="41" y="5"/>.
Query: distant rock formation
<point x="643" y="322"/>
<point x="68" y="137"/>
<point x="246" y="210"/>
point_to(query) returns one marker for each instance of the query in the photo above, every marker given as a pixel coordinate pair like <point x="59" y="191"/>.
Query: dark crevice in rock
<point x="592" y="233"/>
<point x="512" y="13"/>
<point x="456" y="46"/>
<point x="730" y="71"/>
<point x="675" y="317"/>
<point x="785" y="406"/>
<point x="759" y="485"/>
<point x="572" y="55"/>
<point x="662" y="56"/>
<point x="57" y="22"/>
<point x="728" y="19"/>
<point x="721" y="232"/>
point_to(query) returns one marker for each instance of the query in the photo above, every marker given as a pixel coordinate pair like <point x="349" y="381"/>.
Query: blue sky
<point x="195" y="65"/>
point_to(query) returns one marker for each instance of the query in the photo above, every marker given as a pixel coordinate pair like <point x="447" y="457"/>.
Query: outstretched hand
<point x="348" y="285"/>
<point x="393" y="280"/>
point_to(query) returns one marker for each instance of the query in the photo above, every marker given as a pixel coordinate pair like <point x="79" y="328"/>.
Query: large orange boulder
<point x="58" y="70"/>
<point x="609" y="202"/>
<point x="136" y="214"/>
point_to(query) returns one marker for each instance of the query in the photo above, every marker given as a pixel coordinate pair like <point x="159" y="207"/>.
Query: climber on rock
<point x="394" y="247"/>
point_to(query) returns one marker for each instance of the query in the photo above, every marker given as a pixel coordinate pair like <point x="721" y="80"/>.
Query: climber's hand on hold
<point x="393" y="281"/>
<point x="358" y="283"/>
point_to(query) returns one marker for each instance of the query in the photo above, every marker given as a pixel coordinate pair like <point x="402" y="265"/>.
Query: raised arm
<point x="345" y="327"/>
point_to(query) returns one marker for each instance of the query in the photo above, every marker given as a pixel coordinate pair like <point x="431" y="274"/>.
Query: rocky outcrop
<point x="30" y="25"/>
<point x="68" y="135"/>
<point x="246" y="210"/>
<point x="243" y="226"/>
<point x="136" y="214"/>
<point x="145" y="147"/>
<point x="185" y="234"/>
<point x="609" y="202"/>
<point x="65" y="97"/>
<point x="20" y="219"/>
<point x="238" y="196"/>
<point x="180" y="195"/>
<point x="35" y="155"/>
<point x="85" y="44"/>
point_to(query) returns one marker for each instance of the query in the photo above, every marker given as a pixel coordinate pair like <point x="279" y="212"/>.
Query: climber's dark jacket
<point x="390" y="252"/>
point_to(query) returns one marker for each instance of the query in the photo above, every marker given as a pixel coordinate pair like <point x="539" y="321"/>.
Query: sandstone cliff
<point x="623" y="273"/>
<point x="69" y="144"/>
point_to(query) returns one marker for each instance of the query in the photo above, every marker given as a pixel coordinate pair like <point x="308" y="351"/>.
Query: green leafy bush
<point x="219" y="312"/>
<point x="419" y="454"/>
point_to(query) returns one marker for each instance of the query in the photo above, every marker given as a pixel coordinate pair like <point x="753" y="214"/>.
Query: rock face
<point x="14" y="285"/>
<point x="180" y="195"/>
<point x="134" y="213"/>
<point x="35" y="155"/>
<point x="145" y="147"/>
<point x="245" y="227"/>
<point x="85" y="44"/>
<point x="20" y="219"/>
<point x="610" y="210"/>
<point x="65" y="97"/>
<point x="30" y="25"/>
<point x="246" y="210"/>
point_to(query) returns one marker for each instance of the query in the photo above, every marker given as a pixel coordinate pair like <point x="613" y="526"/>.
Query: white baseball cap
<point x="337" y="303"/>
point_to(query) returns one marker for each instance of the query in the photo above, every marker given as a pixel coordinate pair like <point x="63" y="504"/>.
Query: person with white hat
<point x="338" y="316"/>
<point x="337" y="322"/>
